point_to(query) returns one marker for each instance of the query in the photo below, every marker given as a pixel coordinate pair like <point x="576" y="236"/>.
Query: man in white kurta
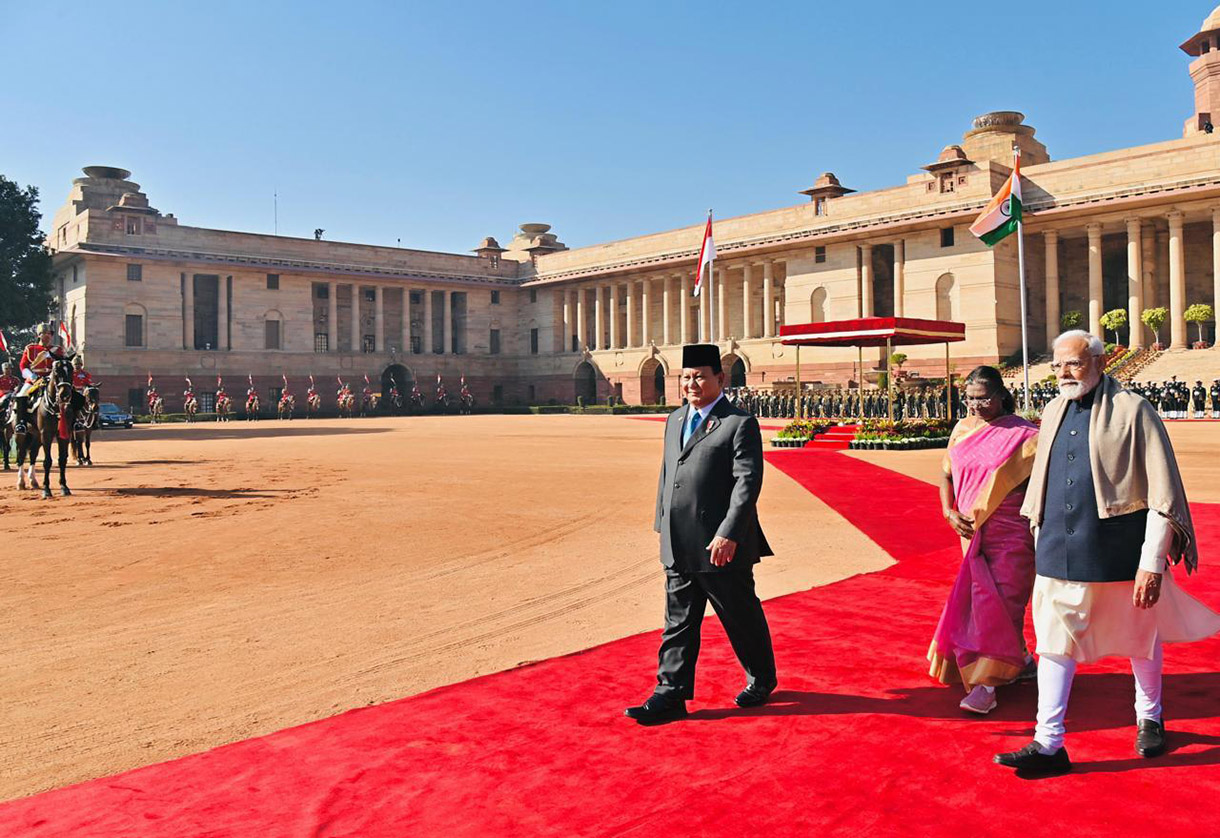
<point x="1109" y="513"/>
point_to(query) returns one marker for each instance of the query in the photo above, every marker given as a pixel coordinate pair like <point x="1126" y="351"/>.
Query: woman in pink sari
<point x="980" y="639"/>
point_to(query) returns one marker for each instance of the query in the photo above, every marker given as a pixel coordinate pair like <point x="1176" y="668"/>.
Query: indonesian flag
<point x="707" y="254"/>
<point x="191" y="386"/>
<point x="218" y="384"/>
<point x="250" y="378"/>
<point x="463" y="381"/>
<point x="150" y="379"/>
<point x="311" y="379"/>
<point x="438" y="379"/>
<point x="65" y="334"/>
<point x="285" y="380"/>
<point x="1001" y="216"/>
<point x="366" y="380"/>
<point x="3" y="343"/>
<point x="340" y="380"/>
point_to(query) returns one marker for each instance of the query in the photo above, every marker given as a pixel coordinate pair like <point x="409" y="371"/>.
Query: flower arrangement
<point x="903" y="434"/>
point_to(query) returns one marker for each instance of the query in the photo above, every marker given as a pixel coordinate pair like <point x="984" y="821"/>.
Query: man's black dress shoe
<point x="1149" y="738"/>
<point x="658" y="710"/>
<point x="755" y="695"/>
<point x="1031" y="760"/>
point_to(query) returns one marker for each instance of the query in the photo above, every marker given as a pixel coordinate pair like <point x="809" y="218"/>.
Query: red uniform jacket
<point x="38" y="359"/>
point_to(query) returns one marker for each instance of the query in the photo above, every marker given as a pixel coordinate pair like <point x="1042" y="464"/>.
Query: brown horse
<point x="53" y="416"/>
<point x="156" y="409"/>
<point x="287" y="405"/>
<point x="224" y="408"/>
<point x="190" y="407"/>
<point x="86" y="424"/>
<point x="251" y="407"/>
<point x="313" y="405"/>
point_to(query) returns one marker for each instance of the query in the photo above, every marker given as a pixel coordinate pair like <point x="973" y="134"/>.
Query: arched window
<point x="817" y="305"/>
<point x="948" y="305"/>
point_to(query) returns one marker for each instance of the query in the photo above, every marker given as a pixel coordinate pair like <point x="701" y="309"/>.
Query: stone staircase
<point x="837" y="438"/>
<point x="1189" y="365"/>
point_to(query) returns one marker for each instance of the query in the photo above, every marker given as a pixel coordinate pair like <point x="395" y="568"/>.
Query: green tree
<point x="1154" y="319"/>
<point x="1199" y="313"/>
<point x="25" y="264"/>
<point x="1114" y="320"/>
<point x="1071" y="320"/>
<point x="898" y="359"/>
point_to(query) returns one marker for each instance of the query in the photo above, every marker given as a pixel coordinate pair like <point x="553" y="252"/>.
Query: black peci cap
<point x="701" y="355"/>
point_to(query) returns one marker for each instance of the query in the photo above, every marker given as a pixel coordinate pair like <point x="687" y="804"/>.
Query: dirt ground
<point x="210" y="583"/>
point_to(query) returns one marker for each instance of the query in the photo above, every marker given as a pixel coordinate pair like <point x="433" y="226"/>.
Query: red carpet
<point x="857" y="741"/>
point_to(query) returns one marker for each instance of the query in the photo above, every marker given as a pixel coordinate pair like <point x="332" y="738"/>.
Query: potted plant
<point x="1071" y="320"/>
<point x="1154" y="319"/>
<point x="1114" y="320"/>
<point x="1199" y="313"/>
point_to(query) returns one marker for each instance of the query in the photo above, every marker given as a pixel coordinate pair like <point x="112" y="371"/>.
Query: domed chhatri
<point x="533" y="230"/>
<point x="1212" y="21"/>
<point x="106" y="172"/>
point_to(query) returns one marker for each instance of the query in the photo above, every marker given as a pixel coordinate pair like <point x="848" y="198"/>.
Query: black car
<point x="112" y="417"/>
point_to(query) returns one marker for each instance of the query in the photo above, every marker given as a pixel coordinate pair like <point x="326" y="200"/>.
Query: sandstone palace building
<point x="536" y="321"/>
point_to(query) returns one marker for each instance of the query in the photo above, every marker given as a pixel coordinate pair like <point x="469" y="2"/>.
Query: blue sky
<point x="441" y="123"/>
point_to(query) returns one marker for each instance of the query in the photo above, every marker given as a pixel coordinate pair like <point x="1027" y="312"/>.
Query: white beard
<point x="1076" y="390"/>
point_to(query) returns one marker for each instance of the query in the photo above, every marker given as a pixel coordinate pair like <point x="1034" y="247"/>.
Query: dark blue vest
<point x="1074" y="543"/>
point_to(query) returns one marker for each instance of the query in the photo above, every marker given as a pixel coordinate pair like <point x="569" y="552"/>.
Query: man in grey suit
<point x="711" y="475"/>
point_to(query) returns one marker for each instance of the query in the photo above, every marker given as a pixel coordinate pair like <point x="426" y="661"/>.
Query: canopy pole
<point x="948" y="386"/>
<point x="859" y="383"/>
<point x="889" y="379"/>
<point x="798" y="382"/>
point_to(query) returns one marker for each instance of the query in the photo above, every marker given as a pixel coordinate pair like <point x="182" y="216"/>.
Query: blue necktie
<point x="690" y="429"/>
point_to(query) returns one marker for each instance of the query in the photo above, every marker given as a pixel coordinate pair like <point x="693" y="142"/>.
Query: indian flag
<point x="1001" y="216"/>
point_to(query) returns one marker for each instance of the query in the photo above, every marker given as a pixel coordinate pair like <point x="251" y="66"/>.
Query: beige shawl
<point x="1132" y="463"/>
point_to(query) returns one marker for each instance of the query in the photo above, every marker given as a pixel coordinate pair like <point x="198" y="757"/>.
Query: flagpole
<point x="1016" y="150"/>
<point x="711" y="289"/>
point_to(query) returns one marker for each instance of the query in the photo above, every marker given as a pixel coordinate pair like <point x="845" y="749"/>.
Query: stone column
<point x="645" y="311"/>
<point x="450" y="321"/>
<point x="332" y="317"/>
<point x="684" y="309"/>
<point x="188" y="313"/>
<point x="426" y="313"/>
<point x="768" y="299"/>
<point x="404" y="340"/>
<point x="1096" y="291"/>
<point x="747" y="322"/>
<point x="565" y="340"/>
<point x="614" y="335"/>
<point x="900" y="259"/>
<point x="581" y="343"/>
<point x="722" y="304"/>
<point x="1050" y="239"/>
<point x="866" y="280"/>
<point x="222" y="315"/>
<point x="1135" y="283"/>
<point x="599" y="318"/>
<point x="631" y="339"/>
<point x="378" y="319"/>
<point x="666" y="311"/>
<point x="1148" y="251"/>
<point x="356" y="347"/>
<point x="1161" y="280"/>
<point x="1216" y="272"/>
<point x="1177" y="282"/>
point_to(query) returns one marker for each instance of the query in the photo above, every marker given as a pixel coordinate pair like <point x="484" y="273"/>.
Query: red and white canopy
<point x="873" y="331"/>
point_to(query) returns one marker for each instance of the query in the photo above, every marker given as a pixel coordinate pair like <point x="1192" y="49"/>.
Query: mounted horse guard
<point x="190" y="404"/>
<point x="395" y="400"/>
<point x="442" y="397"/>
<point x="288" y="403"/>
<point x="465" y="399"/>
<point x="47" y="370"/>
<point x="345" y="400"/>
<point x="156" y="405"/>
<point x="368" y="399"/>
<point x="224" y="402"/>
<point x="86" y="423"/>
<point x="252" y="402"/>
<point x="416" y="403"/>
<point x="313" y="401"/>
<point x="9" y="384"/>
